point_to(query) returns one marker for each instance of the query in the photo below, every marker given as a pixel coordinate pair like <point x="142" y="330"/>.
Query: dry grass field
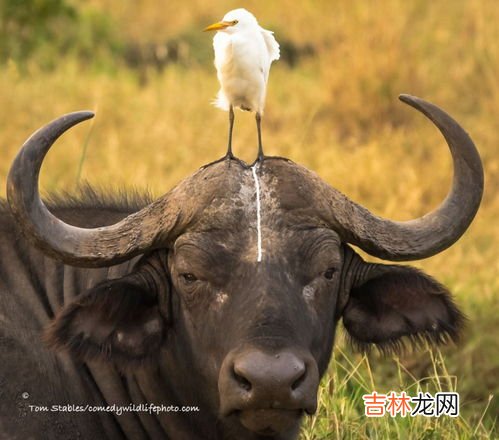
<point x="335" y="110"/>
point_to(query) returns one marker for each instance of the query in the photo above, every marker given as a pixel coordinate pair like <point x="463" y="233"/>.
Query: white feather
<point x="243" y="55"/>
<point x="272" y="44"/>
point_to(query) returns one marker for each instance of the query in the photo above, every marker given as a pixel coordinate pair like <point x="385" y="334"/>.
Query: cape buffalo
<point x="222" y="295"/>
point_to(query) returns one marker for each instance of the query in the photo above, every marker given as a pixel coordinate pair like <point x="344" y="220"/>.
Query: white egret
<point x="244" y="52"/>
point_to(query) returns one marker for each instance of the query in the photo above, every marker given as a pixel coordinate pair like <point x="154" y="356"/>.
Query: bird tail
<point x="221" y="101"/>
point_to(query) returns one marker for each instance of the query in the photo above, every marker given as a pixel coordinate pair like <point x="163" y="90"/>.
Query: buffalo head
<point x="243" y="275"/>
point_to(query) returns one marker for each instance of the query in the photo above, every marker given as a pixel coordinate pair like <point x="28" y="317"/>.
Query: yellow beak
<point x="218" y="26"/>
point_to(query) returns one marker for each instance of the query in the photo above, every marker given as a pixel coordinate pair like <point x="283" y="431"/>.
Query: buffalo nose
<point x="277" y="374"/>
<point x="257" y="379"/>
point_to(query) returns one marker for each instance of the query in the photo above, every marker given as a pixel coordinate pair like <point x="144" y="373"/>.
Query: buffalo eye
<point x="328" y="274"/>
<point x="188" y="278"/>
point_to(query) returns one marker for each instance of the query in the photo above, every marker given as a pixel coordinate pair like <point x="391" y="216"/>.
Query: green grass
<point x="336" y="113"/>
<point x="341" y="407"/>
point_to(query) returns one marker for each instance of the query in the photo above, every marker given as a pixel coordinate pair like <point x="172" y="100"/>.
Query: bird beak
<point x="218" y="26"/>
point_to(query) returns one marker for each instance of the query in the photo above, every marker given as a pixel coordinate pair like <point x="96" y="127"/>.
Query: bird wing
<point x="271" y="43"/>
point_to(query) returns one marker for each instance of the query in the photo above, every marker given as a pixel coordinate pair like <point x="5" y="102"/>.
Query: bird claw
<point x="229" y="157"/>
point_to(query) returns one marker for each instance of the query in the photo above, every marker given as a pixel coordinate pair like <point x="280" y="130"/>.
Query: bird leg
<point x="261" y="156"/>
<point x="229" y="154"/>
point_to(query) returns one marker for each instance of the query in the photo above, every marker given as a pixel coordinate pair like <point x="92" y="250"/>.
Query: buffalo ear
<point x="398" y="301"/>
<point x="116" y="320"/>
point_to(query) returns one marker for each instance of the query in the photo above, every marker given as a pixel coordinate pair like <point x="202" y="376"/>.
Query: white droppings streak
<point x="258" y="214"/>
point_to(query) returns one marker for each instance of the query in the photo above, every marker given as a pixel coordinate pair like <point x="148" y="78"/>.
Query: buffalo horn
<point x="433" y="232"/>
<point x="96" y="247"/>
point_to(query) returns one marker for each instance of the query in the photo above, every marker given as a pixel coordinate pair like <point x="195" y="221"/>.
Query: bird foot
<point x="259" y="160"/>
<point x="228" y="157"/>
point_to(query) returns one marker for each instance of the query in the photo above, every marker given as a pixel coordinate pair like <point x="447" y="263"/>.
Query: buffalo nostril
<point x="296" y="384"/>
<point x="243" y="383"/>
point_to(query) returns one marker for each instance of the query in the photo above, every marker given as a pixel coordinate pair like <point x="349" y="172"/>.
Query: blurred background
<point x="146" y="68"/>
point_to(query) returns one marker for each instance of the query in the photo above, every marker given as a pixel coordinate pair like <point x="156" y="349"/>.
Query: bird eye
<point x="329" y="273"/>
<point x="234" y="22"/>
<point x="188" y="278"/>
